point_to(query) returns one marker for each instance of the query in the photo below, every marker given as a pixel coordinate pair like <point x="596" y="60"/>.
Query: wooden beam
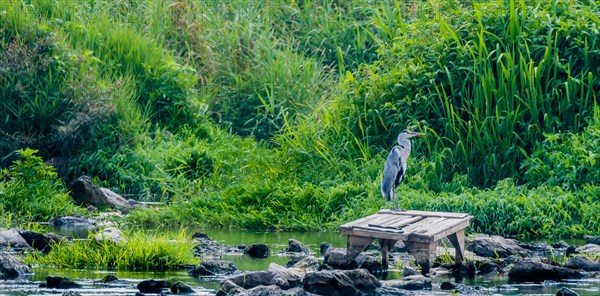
<point x="386" y="245"/>
<point x="356" y="245"/>
<point x="458" y="242"/>
<point x="424" y="213"/>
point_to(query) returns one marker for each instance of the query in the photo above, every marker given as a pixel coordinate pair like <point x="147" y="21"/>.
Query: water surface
<point x="277" y="242"/>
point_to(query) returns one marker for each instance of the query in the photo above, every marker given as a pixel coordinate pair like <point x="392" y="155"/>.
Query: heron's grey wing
<point x="391" y="172"/>
<point x="402" y="155"/>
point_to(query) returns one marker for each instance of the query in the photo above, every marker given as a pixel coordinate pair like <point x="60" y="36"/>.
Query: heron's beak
<point x="416" y="134"/>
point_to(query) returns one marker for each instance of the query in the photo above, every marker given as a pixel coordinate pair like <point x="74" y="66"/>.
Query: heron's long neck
<point x="405" y="143"/>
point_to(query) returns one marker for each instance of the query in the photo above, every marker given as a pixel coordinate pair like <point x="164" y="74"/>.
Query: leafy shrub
<point x="32" y="189"/>
<point x="569" y="160"/>
<point x="49" y="96"/>
<point x="159" y="166"/>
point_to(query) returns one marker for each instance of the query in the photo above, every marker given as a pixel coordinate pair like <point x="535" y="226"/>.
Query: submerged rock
<point x="274" y="290"/>
<point x="153" y="286"/>
<point x="341" y="282"/>
<point x="413" y="282"/>
<point x="324" y="247"/>
<point x="109" y="278"/>
<point x="337" y="259"/>
<point x="181" y="288"/>
<point x="58" y="282"/>
<point x="536" y="271"/>
<point x="370" y="263"/>
<point x="566" y="292"/>
<point x="200" y="236"/>
<point x="487" y="266"/>
<point x="458" y="288"/>
<point x="589" y="239"/>
<point x="11" y="267"/>
<point x="582" y="263"/>
<point x="258" y="278"/>
<point x="72" y="222"/>
<point x="229" y="288"/>
<point x="391" y="291"/>
<point x="210" y="267"/>
<point x="295" y="246"/>
<point x="258" y="251"/>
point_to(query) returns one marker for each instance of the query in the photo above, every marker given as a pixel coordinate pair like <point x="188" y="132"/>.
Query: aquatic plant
<point x="140" y="250"/>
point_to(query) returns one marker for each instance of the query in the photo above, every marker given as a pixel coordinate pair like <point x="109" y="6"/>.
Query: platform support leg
<point x="458" y="242"/>
<point x="423" y="253"/>
<point x="386" y="245"/>
<point x="356" y="244"/>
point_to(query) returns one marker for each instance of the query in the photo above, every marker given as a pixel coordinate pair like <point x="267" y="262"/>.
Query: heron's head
<point x="406" y="134"/>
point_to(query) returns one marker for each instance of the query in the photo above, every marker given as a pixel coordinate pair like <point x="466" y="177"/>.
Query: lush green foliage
<point x="487" y="79"/>
<point x="138" y="251"/>
<point x="151" y="98"/>
<point x="32" y="191"/>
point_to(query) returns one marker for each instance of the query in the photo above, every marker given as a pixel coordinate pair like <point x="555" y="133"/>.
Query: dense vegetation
<point x="279" y="114"/>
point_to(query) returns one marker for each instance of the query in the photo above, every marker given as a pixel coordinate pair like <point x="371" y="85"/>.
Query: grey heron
<point x="395" y="165"/>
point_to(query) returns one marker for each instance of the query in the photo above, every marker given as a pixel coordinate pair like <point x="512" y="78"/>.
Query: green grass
<point x="139" y="251"/>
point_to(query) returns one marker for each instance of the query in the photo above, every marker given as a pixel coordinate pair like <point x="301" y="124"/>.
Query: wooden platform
<point x="419" y="230"/>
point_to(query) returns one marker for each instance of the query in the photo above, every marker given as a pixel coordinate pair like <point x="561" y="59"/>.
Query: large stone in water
<point x="582" y="263"/>
<point x="11" y="267"/>
<point x="211" y="267"/>
<point x="297" y="247"/>
<point x="341" y="282"/>
<point x="258" y="278"/>
<point x="153" y="286"/>
<point x="536" y="271"/>
<point x="291" y="275"/>
<point x="309" y="263"/>
<point x="413" y="282"/>
<point x="12" y="239"/>
<point x="58" y="282"/>
<point x="336" y="258"/>
<point x="496" y="246"/>
<point x="258" y="251"/>
<point x="181" y="288"/>
<point x="274" y="290"/>
<point x="566" y="292"/>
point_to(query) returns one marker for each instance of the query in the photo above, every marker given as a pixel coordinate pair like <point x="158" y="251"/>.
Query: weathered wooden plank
<point x="425" y="214"/>
<point x="367" y="232"/>
<point x="405" y="221"/>
<point x="435" y="224"/>
<point x="450" y="230"/>
<point x="383" y="219"/>
<point x="420" y="224"/>
<point x="360" y="221"/>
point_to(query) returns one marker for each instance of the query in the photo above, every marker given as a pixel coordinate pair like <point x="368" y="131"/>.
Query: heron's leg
<point x="395" y="203"/>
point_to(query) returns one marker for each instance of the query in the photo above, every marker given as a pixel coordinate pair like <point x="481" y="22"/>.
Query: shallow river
<point x="277" y="241"/>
